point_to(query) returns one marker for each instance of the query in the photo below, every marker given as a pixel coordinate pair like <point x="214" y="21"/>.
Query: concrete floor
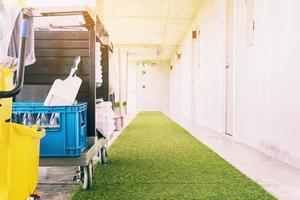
<point x="280" y="179"/>
<point x="56" y="183"/>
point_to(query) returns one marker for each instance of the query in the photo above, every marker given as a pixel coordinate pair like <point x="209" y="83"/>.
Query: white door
<point x="144" y="89"/>
<point x="153" y="88"/>
<point x="229" y="68"/>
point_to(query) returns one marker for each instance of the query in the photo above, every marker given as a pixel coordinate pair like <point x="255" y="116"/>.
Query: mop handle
<point x="25" y="28"/>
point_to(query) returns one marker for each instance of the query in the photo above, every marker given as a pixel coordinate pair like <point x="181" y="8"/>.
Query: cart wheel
<point x="86" y="173"/>
<point x="34" y="197"/>
<point x="103" y="155"/>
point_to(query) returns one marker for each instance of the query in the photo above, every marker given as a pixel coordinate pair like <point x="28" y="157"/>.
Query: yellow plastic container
<point x="19" y="150"/>
<point x="6" y="84"/>
<point x="19" y="158"/>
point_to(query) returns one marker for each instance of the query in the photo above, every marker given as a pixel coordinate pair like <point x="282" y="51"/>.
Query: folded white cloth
<point x="10" y="27"/>
<point x="9" y="62"/>
<point x="8" y="16"/>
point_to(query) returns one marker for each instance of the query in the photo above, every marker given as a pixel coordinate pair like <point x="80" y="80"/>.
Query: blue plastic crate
<point x="66" y="127"/>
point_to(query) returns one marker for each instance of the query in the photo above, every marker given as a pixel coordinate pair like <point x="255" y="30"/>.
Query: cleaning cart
<point x="19" y="145"/>
<point x="55" y="50"/>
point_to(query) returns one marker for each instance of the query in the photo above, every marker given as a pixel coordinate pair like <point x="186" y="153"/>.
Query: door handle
<point x="227" y="66"/>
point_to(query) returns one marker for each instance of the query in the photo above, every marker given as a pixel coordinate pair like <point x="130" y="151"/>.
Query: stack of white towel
<point x="98" y="53"/>
<point x="105" y="119"/>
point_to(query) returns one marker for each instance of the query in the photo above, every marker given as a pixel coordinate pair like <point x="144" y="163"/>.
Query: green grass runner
<point x="154" y="158"/>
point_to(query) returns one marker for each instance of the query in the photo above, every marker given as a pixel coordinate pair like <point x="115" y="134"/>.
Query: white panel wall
<point x="132" y="79"/>
<point x="267" y="76"/>
<point x="268" y="79"/>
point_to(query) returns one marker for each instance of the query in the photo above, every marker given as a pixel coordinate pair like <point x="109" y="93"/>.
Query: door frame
<point x="233" y="67"/>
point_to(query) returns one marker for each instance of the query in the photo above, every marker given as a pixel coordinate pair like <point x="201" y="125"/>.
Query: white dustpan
<point x="64" y="92"/>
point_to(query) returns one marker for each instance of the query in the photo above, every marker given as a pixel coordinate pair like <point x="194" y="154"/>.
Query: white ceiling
<point x="142" y="27"/>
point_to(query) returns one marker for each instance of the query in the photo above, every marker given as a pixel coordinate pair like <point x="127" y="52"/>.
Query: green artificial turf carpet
<point x="154" y="158"/>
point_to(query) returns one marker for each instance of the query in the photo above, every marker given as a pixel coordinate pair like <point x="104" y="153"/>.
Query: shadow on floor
<point x="56" y="183"/>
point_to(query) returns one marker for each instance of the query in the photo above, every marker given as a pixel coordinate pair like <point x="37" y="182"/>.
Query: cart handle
<point x="21" y="64"/>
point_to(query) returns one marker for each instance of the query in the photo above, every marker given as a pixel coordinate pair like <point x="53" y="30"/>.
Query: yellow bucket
<point x="19" y="160"/>
<point x="6" y="84"/>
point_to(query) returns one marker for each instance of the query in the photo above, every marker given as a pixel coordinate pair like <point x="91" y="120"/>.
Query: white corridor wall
<point x="131" y="88"/>
<point x="267" y="75"/>
<point x="209" y="72"/>
<point x="268" y="79"/>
